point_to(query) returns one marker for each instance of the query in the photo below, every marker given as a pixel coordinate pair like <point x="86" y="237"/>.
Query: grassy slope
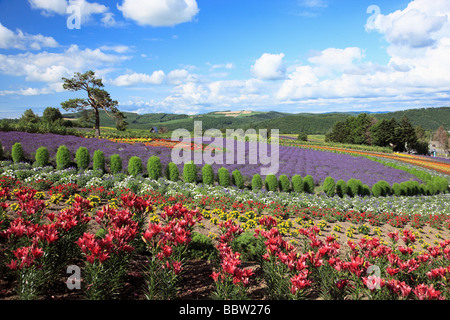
<point x="318" y="124"/>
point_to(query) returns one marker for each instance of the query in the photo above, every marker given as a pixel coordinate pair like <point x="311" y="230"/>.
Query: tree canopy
<point x="363" y="129"/>
<point x="97" y="98"/>
<point x="52" y="115"/>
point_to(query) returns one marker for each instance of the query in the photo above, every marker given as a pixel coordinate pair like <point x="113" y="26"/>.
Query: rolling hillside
<point x="309" y="123"/>
<point x="429" y="118"/>
<point x="182" y="121"/>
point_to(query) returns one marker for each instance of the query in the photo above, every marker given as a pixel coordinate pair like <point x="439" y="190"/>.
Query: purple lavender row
<point x="292" y="160"/>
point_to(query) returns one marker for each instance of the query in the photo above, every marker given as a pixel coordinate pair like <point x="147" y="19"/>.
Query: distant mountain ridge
<point x="311" y="123"/>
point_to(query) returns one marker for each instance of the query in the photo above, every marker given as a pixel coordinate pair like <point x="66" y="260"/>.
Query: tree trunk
<point x="97" y="124"/>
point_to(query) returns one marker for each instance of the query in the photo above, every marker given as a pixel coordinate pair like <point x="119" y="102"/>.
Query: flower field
<point x="292" y="160"/>
<point x="438" y="164"/>
<point x="166" y="240"/>
<point x="84" y="234"/>
<point x="164" y="143"/>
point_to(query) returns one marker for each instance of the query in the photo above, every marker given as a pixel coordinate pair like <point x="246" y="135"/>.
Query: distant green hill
<point x="183" y="121"/>
<point x="429" y="118"/>
<point x="308" y="123"/>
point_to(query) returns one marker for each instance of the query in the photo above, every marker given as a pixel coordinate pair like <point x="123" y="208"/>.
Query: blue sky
<point x="196" y="56"/>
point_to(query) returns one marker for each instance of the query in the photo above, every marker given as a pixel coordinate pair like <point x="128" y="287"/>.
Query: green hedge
<point x="354" y="187"/>
<point x="341" y="188"/>
<point x="135" y="166"/>
<point x="237" y="179"/>
<point x="42" y="157"/>
<point x="297" y="183"/>
<point x="98" y="161"/>
<point x="83" y="158"/>
<point x="17" y="153"/>
<point x="207" y="174"/>
<point x="115" y="164"/>
<point x="63" y="158"/>
<point x="329" y="186"/>
<point x="154" y="168"/>
<point x="172" y="172"/>
<point x="271" y="182"/>
<point x="190" y="172"/>
<point x="284" y="183"/>
<point x="308" y="184"/>
<point x="257" y="182"/>
<point x="224" y="177"/>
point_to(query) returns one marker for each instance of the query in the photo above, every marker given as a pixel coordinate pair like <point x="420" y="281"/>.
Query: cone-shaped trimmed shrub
<point x="17" y="153"/>
<point x="441" y="183"/>
<point x="98" y="160"/>
<point x="297" y="184"/>
<point x="354" y="187"/>
<point x="115" y="164"/>
<point x="135" y="166"/>
<point x="341" y="188"/>
<point x="366" y="190"/>
<point x="416" y="187"/>
<point x="83" y="158"/>
<point x="257" y="182"/>
<point x="431" y="188"/>
<point x="308" y="184"/>
<point x="396" y="189"/>
<point x="207" y="174"/>
<point x="408" y="187"/>
<point x="284" y="183"/>
<point x="172" y="172"/>
<point x="237" y="179"/>
<point x="190" y="172"/>
<point x="386" y="188"/>
<point x="404" y="188"/>
<point x="271" y="182"/>
<point x="42" y="157"/>
<point x="224" y="177"/>
<point x="63" y="159"/>
<point x="377" y="190"/>
<point x="329" y="186"/>
<point x="154" y="168"/>
<point x="423" y="189"/>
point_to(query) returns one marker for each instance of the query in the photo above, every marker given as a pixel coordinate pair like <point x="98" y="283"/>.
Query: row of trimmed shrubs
<point x="64" y="158"/>
<point x="352" y="187"/>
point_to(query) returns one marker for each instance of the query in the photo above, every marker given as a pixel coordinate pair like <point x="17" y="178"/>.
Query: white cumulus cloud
<point x="50" y="6"/>
<point x="419" y="25"/>
<point x="87" y="9"/>
<point x="336" y="60"/>
<point x="24" y="41"/>
<point x="269" y="67"/>
<point x="157" y="77"/>
<point x="51" y="67"/>
<point x="159" y="13"/>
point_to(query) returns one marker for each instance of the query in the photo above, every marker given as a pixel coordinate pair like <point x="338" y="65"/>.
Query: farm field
<point x="219" y="158"/>
<point x="134" y="237"/>
<point x="292" y="160"/>
<point x="438" y="164"/>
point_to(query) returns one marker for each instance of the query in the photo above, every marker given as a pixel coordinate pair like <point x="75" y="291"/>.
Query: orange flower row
<point x="167" y="144"/>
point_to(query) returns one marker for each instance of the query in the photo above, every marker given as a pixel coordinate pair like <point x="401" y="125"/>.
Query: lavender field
<point x="292" y="160"/>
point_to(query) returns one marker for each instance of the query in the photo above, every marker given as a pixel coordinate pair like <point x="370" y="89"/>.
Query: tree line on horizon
<point x="400" y="135"/>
